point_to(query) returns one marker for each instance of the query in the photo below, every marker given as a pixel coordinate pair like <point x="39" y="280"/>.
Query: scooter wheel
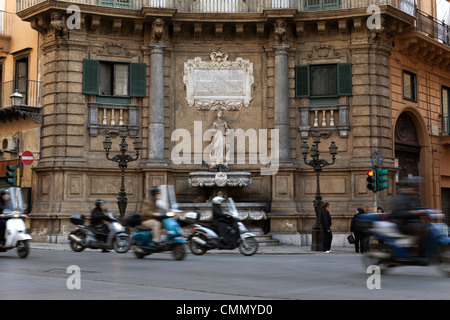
<point x="196" y="248"/>
<point x="248" y="247"/>
<point x="23" y="249"/>
<point x="179" y="252"/>
<point x="121" y="244"/>
<point x="139" y="255"/>
<point x="75" y="246"/>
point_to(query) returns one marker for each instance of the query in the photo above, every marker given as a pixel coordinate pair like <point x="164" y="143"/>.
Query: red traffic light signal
<point x="371" y="176"/>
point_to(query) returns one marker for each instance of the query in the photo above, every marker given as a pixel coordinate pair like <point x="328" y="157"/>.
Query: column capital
<point x="155" y="48"/>
<point x="281" y="49"/>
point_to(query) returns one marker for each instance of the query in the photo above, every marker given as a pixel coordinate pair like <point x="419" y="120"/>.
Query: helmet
<point x="154" y="191"/>
<point x="218" y="200"/>
<point x="99" y="202"/>
<point x="4" y="191"/>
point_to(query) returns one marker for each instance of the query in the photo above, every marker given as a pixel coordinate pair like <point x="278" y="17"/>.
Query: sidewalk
<point x="263" y="249"/>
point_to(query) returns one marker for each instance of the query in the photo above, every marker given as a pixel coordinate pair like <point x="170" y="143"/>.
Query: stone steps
<point x="266" y="240"/>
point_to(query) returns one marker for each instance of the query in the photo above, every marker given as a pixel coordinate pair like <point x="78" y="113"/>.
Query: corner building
<point x="305" y="66"/>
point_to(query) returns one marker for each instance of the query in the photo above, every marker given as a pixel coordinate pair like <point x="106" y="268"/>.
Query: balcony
<point x="433" y="28"/>
<point x="29" y="89"/>
<point x="326" y="119"/>
<point x="5" y="31"/>
<point x="111" y="117"/>
<point x="30" y="104"/>
<point x="233" y="6"/>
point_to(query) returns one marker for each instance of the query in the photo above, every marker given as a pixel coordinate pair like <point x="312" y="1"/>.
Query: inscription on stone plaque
<point x="218" y="84"/>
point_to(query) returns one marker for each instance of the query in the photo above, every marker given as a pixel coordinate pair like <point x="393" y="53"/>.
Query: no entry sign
<point x="27" y="158"/>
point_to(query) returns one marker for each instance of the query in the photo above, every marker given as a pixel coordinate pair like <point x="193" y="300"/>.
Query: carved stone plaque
<point x="218" y="84"/>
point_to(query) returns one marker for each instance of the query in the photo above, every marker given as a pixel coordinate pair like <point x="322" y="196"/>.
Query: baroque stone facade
<point x="279" y="44"/>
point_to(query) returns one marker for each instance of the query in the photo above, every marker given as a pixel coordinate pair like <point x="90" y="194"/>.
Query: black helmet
<point x="4" y="191"/>
<point x="99" y="202"/>
<point x="154" y="191"/>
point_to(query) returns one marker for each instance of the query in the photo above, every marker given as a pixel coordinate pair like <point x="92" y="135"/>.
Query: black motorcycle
<point x="87" y="237"/>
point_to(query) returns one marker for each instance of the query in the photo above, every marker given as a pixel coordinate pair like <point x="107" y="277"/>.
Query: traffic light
<point x="371" y="180"/>
<point x="382" y="179"/>
<point x="11" y="174"/>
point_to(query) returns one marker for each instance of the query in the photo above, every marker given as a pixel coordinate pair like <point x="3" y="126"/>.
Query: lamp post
<point x="317" y="164"/>
<point x="122" y="159"/>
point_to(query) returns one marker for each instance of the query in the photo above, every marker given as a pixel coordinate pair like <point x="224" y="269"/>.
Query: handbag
<point x="351" y="239"/>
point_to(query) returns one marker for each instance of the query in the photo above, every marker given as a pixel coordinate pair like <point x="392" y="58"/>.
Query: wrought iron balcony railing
<point x="29" y="89"/>
<point x="433" y="28"/>
<point x="234" y="6"/>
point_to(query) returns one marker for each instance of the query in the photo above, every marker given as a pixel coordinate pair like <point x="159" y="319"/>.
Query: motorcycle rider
<point x="406" y="212"/>
<point x="226" y="225"/>
<point x="4" y="204"/>
<point x="150" y="213"/>
<point x="97" y="218"/>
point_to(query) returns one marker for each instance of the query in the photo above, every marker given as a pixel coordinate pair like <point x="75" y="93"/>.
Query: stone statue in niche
<point x="157" y="30"/>
<point x="57" y="23"/>
<point x="279" y="31"/>
<point x="219" y="155"/>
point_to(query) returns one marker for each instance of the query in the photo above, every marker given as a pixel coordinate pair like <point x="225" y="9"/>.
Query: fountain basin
<point x="219" y="179"/>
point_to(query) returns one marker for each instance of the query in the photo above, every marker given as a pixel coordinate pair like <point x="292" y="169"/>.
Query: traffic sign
<point x="27" y="158"/>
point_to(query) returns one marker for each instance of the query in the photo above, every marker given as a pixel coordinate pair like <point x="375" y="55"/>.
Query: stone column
<point x="283" y="215"/>
<point x="281" y="100"/>
<point x="156" y="104"/>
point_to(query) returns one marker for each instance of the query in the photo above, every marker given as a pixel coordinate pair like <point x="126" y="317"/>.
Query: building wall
<point x="73" y="172"/>
<point x="23" y="41"/>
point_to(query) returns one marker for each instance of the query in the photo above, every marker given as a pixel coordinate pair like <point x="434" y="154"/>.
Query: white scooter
<point x="15" y="231"/>
<point x="15" y="234"/>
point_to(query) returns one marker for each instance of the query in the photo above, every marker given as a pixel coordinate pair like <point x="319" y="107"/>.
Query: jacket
<point x="97" y="217"/>
<point x="326" y="220"/>
<point x="218" y="214"/>
<point x="150" y="210"/>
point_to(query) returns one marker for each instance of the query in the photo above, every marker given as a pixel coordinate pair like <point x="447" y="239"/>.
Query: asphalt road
<point x="111" y="276"/>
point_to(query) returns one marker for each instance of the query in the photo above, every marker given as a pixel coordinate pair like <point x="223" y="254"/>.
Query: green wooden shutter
<point x="302" y="81"/>
<point x="137" y="79"/>
<point x="345" y="79"/>
<point x="90" y="76"/>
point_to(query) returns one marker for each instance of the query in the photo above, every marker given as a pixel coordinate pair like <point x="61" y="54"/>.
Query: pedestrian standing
<point x="360" y="244"/>
<point x="327" y="236"/>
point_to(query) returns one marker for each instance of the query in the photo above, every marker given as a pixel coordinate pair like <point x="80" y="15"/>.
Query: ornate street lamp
<point x="317" y="164"/>
<point x="16" y="98"/>
<point x="122" y="159"/>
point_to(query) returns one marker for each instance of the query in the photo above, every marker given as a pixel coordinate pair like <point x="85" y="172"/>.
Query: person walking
<point x="327" y="236"/>
<point x="360" y="243"/>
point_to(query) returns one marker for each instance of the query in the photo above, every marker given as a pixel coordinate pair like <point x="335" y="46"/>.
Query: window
<point x="116" y="3"/>
<point x="114" y="79"/>
<point x="445" y="110"/>
<point x="323" y="80"/>
<point x="409" y="86"/>
<point x="312" y="5"/>
<point x="21" y="77"/>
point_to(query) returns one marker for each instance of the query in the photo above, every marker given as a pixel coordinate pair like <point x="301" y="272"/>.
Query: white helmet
<point x="218" y="200"/>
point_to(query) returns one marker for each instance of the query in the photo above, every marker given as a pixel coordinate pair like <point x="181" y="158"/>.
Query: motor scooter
<point x="16" y="235"/>
<point x="388" y="247"/>
<point x="204" y="236"/>
<point x="87" y="237"/>
<point x="171" y="238"/>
